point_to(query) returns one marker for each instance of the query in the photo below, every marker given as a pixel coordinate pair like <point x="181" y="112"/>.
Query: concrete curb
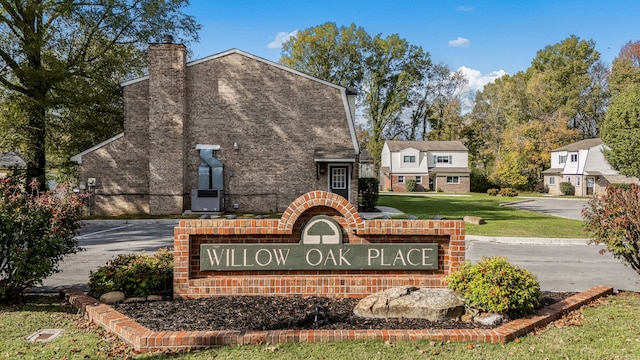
<point x="145" y="340"/>
<point x="131" y="221"/>
<point x="526" y="240"/>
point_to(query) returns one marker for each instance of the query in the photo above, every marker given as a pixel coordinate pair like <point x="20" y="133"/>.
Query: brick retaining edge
<point x="145" y="340"/>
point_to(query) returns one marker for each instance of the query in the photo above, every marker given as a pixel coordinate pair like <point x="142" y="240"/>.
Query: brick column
<point x="167" y="92"/>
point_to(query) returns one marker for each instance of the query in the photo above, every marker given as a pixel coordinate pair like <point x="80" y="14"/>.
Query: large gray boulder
<point x="112" y="297"/>
<point x="434" y="304"/>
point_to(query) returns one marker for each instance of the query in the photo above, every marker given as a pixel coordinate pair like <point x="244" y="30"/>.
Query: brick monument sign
<point x="319" y="247"/>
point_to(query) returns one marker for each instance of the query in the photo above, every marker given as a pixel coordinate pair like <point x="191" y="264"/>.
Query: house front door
<point x="339" y="180"/>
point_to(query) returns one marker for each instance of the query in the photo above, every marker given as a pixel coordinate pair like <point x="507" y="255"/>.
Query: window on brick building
<point x="453" y="179"/>
<point x="400" y="179"/>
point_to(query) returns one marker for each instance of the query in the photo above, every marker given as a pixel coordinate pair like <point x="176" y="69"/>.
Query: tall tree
<point x="625" y="70"/>
<point x="61" y="56"/>
<point x="621" y="132"/>
<point x="386" y="71"/>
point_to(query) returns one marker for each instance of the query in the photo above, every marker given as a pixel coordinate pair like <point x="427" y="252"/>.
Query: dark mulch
<point x="276" y="313"/>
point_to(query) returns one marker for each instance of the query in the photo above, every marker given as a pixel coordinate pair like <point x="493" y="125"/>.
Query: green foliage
<point x="566" y="188"/>
<point x="368" y="191"/>
<point x="478" y="182"/>
<point x="63" y="62"/>
<point x="410" y="185"/>
<point x="135" y="275"/>
<point x="493" y="192"/>
<point x="37" y="229"/>
<point x="494" y="285"/>
<point x="508" y="192"/>
<point x="612" y="220"/>
<point x="621" y="132"/>
<point x="541" y="188"/>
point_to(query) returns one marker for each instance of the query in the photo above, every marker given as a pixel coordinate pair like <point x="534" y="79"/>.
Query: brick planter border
<point x="145" y="340"/>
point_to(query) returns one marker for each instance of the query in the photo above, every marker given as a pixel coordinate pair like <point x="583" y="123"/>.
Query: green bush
<point x="493" y="192"/>
<point x="135" y="275"/>
<point x="368" y="192"/>
<point x="567" y="189"/>
<point x="494" y="285"/>
<point x="410" y="185"/>
<point x="37" y="229"/>
<point x="508" y="192"/>
<point x="612" y="220"/>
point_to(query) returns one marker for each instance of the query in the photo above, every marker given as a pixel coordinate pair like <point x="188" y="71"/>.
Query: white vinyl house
<point x="584" y="166"/>
<point x="434" y="165"/>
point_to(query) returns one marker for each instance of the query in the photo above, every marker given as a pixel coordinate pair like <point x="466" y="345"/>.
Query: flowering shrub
<point x="494" y="285"/>
<point x="37" y="229"/>
<point x="614" y="220"/>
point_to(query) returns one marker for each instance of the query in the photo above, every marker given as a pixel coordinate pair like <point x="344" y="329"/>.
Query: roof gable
<point x="581" y="145"/>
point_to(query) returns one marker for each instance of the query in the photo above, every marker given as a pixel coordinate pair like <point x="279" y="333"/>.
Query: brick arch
<point x="315" y="199"/>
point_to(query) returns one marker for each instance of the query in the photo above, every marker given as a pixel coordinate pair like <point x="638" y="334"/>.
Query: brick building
<point x="228" y="132"/>
<point x="434" y="165"/>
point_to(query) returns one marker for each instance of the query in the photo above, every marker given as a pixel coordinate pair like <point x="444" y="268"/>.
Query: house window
<point x="418" y="179"/>
<point x="453" y="179"/>
<point x="409" y="159"/>
<point x="442" y="159"/>
<point x="578" y="181"/>
<point x="400" y="179"/>
<point x="574" y="157"/>
<point x="552" y="180"/>
<point x="569" y="179"/>
<point x="562" y="159"/>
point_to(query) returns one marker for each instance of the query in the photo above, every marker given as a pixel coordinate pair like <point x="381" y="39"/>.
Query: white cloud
<point x="460" y="42"/>
<point x="465" y="8"/>
<point x="476" y="82"/>
<point x="281" y="38"/>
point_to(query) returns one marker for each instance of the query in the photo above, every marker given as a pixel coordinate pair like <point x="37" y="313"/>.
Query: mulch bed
<point x="276" y="313"/>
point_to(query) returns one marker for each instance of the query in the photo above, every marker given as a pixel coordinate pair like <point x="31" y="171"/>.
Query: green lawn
<point x="501" y="220"/>
<point x="607" y="331"/>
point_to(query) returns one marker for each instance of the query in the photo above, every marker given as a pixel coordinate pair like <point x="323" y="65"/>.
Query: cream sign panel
<point x="320" y="248"/>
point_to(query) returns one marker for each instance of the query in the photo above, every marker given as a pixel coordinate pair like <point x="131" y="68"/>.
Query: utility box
<point x="207" y="200"/>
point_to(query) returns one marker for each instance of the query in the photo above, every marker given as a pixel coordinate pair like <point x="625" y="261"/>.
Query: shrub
<point x="368" y="191"/>
<point x="541" y="188"/>
<point x="493" y="192"/>
<point x="135" y="275"/>
<point x="567" y="189"/>
<point x="410" y="185"/>
<point x="612" y="220"/>
<point x="37" y="229"/>
<point x="494" y="285"/>
<point x="508" y="192"/>
<point x="478" y="182"/>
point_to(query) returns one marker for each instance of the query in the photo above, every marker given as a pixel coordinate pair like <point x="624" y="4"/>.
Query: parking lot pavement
<point x="570" y="208"/>
<point x="102" y="241"/>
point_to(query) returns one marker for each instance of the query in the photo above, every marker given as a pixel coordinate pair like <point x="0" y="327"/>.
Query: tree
<point x="61" y="56"/>
<point x="621" y="132"/>
<point x="625" y="70"/>
<point x="329" y="53"/>
<point x="386" y="72"/>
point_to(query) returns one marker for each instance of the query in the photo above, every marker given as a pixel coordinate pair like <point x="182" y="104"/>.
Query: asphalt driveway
<point x="570" y="208"/>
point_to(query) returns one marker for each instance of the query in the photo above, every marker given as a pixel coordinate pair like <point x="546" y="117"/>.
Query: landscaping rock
<point x="135" y="299"/>
<point x="112" y="297"/>
<point x="154" y="298"/>
<point x="413" y="303"/>
<point x="489" y="319"/>
<point x="476" y="220"/>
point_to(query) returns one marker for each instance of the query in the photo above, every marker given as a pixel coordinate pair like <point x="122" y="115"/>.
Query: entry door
<point x="339" y="180"/>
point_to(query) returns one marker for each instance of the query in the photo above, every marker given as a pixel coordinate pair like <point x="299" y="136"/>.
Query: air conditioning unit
<point x="207" y="200"/>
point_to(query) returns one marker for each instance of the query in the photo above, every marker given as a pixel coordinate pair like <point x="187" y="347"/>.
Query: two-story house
<point x="434" y="165"/>
<point x="584" y="166"/>
<point x="231" y="131"/>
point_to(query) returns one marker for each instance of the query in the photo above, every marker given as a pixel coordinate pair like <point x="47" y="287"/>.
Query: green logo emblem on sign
<point x="322" y="229"/>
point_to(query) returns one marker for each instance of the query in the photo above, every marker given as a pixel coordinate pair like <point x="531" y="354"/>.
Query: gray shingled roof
<point x="10" y="159"/>
<point x="395" y="145"/>
<point x="580" y="145"/>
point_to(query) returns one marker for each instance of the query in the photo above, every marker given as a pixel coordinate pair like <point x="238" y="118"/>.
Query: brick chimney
<point x="167" y="116"/>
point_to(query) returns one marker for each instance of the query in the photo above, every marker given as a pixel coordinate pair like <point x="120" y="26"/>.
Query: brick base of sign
<point x="192" y="282"/>
<point x="145" y="340"/>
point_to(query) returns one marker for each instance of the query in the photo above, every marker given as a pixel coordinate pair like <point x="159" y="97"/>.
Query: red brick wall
<point x="191" y="282"/>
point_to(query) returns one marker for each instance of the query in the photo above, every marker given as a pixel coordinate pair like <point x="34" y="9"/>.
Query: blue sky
<point x="483" y="38"/>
